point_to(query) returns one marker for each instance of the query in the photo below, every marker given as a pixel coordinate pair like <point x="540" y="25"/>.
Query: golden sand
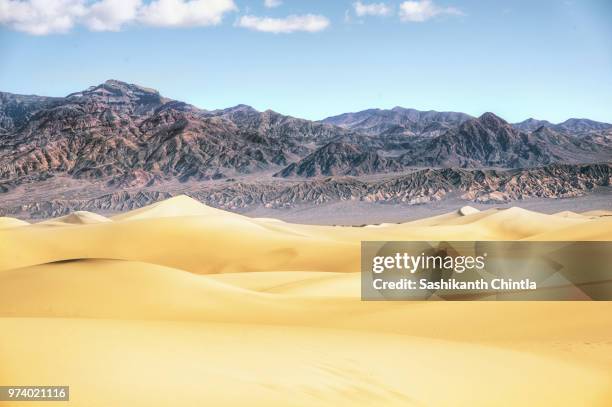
<point x="179" y="304"/>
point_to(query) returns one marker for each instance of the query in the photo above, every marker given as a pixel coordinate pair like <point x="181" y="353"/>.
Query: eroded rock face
<point x="121" y="131"/>
<point x="418" y="187"/>
<point x="341" y="158"/>
<point x="489" y="141"/>
<point x="118" y="131"/>
<point x="112" y="202"/>
<point x="16" y="110"/>
<point x="118" y="146"/>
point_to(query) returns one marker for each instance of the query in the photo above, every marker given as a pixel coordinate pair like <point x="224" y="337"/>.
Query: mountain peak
<point x="120" y="95"/>
<point x="114" y="87"/>
<point x="129" y="87"/>
<point x="488" y="116"/>
<point x="115" y="82"/>
<point x="241" y="108"/>
<point x="583" y="125"/>
<point x="581" y="121"/>
<point x="531" y="124"/>
<point x="492" y="121"/>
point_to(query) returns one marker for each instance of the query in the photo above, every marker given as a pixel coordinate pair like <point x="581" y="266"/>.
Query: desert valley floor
<point x="181" y="304"/>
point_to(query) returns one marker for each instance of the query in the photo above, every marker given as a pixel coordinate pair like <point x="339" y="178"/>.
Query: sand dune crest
<point x="76" y="218"/>
<point x="180" y="205"/>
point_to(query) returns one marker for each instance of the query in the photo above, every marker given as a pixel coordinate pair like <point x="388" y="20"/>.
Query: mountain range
<point x="117" y="137"/>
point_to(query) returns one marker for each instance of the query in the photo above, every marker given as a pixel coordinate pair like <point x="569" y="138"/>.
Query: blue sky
<point x="313" y="58"/>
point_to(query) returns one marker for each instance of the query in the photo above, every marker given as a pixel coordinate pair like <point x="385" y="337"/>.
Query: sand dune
<point x="233" y="243"/>
<point x="140" y="363"/>
<point x="182" y="304"/>
<point x="6" y="223"/>
<point x="115" y="289"/>
<point x="467" y="210"/>
<point x="76" y="218"/>
<point x="598" y="230"/>
<point x="181" y="205"/>
<point x="569" y="214"/>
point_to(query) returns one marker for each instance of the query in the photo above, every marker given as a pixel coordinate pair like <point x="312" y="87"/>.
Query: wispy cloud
<point x="371" y="9"/>
<point x="308" y="23"/>
<point x="272" y="3"/>
<point x="423" y="10"/>
<point x="42" y="17"/>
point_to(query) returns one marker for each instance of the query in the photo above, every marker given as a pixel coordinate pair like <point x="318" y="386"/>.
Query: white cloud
<point x="185" y="13"/>
<point x="272" y="3"/>
<point x="423" y="10"/>
<point x="308" y="23"/>
<point x="371" y="9"/>
<point x="42" y="17"/>
<point x="110" y="15"/>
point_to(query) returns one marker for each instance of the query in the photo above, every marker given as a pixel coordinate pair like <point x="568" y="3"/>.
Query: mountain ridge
<point x="117" y="136"/>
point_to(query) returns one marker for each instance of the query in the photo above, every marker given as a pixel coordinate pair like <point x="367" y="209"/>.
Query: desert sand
<point x="179" y="304"/>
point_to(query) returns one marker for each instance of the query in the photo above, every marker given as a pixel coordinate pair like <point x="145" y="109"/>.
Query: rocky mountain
<point x="341" y="158"/>
<point x="416" y="187"/>
<point x="411" y="122"/>
<point x="16" y="110"/>
<point x="398" y="121"/>
<point x="131" y="134"/>
<point x="116" y="146"/>
<point x="487" y="141"/>
<point x="295" y="136"/>
<point x="581" y="126"/>
<point x="575" y="127"/>
<point x="531" y="124"/>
